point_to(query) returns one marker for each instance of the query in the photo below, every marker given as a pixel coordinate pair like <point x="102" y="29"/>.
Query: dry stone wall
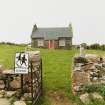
<point x="87" y="70"/>
<point x="10" y="83"/>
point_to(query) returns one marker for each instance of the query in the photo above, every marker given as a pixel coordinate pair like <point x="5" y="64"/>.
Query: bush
<point x="80" y="60"/>
<point x="95" y="46"/>
<point x="102" y="47"/>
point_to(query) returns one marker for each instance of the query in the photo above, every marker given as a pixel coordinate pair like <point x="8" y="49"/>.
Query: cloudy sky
<point x="17" y="18"/>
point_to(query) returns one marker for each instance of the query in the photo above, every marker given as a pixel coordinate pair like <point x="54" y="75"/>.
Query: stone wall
<point x="10" y="83"/>
<point x="88" y="70"/>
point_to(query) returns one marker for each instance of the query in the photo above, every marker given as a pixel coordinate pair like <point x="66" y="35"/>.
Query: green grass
<point x="7" y="54"/>
<point x="57" y="65"/>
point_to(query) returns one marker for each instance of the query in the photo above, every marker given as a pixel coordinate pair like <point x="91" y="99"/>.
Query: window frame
<point x="62" y="43"/>
<point x="40" y="42"/>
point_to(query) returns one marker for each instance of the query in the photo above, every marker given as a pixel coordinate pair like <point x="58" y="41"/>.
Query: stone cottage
<point x="55" y="38"/>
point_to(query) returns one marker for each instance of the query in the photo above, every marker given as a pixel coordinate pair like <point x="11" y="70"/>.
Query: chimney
<point x="71" y="29"/>
<point x="34" y="28"/>
<point x="70" y="26"/>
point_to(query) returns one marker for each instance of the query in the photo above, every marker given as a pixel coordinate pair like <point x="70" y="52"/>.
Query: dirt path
<point x="59" y="98"/>
<point x="4" y="101"/>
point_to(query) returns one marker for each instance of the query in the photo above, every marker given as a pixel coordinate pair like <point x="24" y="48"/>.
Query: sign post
<point x="22" y="65"/>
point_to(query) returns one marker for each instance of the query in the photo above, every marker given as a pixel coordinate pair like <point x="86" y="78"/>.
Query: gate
<point x="29" y="84"/>
<point x="34" y="80"/>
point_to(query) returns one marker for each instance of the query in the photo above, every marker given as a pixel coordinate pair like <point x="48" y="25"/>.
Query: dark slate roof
<point x="52" y="33"/>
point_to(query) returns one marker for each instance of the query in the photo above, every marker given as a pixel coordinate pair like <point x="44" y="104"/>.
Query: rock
<point x="85" y="98"/>
<point x="88" y="67"/>
<point x="103" y="65"/>
<point x="79" y="77"/>
<point x="97" y="96"/>
<point x="4" y="101"/>
<point x="98" y="66"/>
<point x="95" y="78"/>
<point x="27" y="96"/>
<point x="34" y="55"/>
<point x="2" y="85"/>
<point x="15" y="84"/>
<point x="77" y="88"/>
<point x="91" y="56"/>
<point x="102" y="81"/>
<point x="77" y="68"/>
<point x="2" y="93"/>
<point x="10" y="93"/>
<point x="8" y="72"/>
<point x="19" y="103"/>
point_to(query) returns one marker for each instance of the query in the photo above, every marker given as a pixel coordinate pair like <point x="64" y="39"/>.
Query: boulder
<point x="19" y="103"/>
<point x="27" y="96"/>
<point x="4" y="101"/>
<point x="80" y="77"/>
<point x="77" y="88"/>
<point x="97" y="96"/>
<point x="2" y="85"/>
<point x="9" y="94"/>
<point x="92" y="57"/>
<point x="34" y="55"/>
<point x="15" y="84"/>
<point x="2" y="93"/>
<point x="8" y="72"/>
<point x="85" y="98"/>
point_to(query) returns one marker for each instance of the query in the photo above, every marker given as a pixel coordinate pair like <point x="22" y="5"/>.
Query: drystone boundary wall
<point x="87" y="70"/>
<point x="10" y="83"/>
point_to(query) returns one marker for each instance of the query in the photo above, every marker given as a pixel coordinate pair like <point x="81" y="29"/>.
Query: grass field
<point x="57" y="65"/>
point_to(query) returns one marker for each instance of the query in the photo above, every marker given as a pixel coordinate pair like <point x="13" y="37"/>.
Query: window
<point x="62" y="42"/>
<point x="40" y="43"/>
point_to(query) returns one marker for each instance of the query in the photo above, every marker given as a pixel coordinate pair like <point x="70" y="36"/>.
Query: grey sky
<point x="17" y="18"/>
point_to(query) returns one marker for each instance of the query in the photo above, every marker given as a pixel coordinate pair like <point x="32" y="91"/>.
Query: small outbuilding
<point x="55" y="38"/>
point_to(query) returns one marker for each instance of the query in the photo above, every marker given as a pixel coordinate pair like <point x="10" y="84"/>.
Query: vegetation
<point x="95" y="88"/>
<point x="57" y="65"/>
<point x="96" y="46"/>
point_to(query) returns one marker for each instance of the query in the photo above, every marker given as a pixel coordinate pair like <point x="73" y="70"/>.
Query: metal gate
<point x="30" y="83"/>
<point x="34" y="80"/>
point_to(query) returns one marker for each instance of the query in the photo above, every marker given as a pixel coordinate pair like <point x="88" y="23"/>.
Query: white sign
<point x="21" y="63"/>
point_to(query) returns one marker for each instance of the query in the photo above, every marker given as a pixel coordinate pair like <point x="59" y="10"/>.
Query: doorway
<point x="51" y="44"/>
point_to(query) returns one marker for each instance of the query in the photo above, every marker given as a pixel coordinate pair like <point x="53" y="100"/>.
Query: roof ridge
<point x="51" y="27"/>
